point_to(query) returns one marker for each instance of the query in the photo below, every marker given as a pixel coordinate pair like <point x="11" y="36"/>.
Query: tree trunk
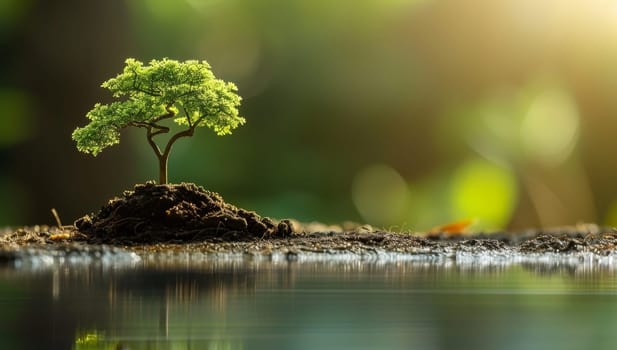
<point x="163" y="169"/>
<point x="164" y="156"/>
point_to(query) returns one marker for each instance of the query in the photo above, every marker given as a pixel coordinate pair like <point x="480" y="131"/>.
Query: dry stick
<point x="54" y="212"/>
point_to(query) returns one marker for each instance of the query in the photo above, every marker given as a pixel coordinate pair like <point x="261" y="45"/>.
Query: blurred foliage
<point x="17" y="118"/>
<point x="11" y="12"/>
<point x="400" y="113"/>
<point x="89" y="340"/>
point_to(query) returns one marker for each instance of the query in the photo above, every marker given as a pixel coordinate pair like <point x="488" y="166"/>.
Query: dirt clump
<point x="599" y="243"/>
<point x="176" y="213"/>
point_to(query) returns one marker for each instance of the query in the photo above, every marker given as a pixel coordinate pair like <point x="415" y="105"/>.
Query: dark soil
<point x="187" y="217"/>
<point x="575" y="239"/>
<point x="175" y="213"/>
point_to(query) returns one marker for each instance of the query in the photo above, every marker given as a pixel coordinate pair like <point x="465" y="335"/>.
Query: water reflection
<point x="244" y="303"/>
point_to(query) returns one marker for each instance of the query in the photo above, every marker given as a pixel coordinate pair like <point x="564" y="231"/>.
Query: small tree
<point x="186" y="92"/>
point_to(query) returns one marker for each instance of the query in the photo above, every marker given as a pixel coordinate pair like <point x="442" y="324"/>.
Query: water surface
<point x="236" y="302"/>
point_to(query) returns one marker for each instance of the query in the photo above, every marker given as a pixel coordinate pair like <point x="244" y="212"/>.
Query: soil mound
<point x="176" y="213"/>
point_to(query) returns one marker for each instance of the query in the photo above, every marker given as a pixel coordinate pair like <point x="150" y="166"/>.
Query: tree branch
<point x="196" y="124"/>
<point x="135" y="86"/>
<point x="153" y="144"/>
<point x="198" y="121"/>
<point x="160" y="129"/>
<point x="186" y="115"/>
<point x="185" y="133"/>
<point x="141" y="125"/>
<point x="190" y="92"/>
<point x="170" y="113"/>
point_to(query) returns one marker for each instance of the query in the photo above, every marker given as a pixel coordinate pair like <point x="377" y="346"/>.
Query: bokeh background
<point x="405" y="114"/>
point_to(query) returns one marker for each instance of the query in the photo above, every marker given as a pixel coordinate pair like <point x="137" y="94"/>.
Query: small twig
<point x="54" y="212"/>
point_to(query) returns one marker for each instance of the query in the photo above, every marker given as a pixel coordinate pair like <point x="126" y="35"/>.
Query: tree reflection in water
<point x="258" y="303"/>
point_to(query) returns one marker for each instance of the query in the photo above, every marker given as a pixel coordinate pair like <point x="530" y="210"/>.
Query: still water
<point x="236" y="302"/>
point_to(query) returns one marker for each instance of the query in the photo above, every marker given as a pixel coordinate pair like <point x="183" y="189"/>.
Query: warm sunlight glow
<point x="551" y="126"/>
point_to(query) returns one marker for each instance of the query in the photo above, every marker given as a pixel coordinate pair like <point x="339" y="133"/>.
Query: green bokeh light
<point x="483" y="191"/>
<point x="381" y="195"/>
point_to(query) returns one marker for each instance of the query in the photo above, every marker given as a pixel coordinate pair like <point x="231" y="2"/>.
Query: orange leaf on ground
<point x="453" y="228"/>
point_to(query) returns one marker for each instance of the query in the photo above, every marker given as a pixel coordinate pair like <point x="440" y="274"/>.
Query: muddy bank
<point x="589" y="239"/>
<point x="187" y="217"/>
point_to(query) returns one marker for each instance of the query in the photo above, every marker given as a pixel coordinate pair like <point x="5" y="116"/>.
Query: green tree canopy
<point x="185" y="92"/>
